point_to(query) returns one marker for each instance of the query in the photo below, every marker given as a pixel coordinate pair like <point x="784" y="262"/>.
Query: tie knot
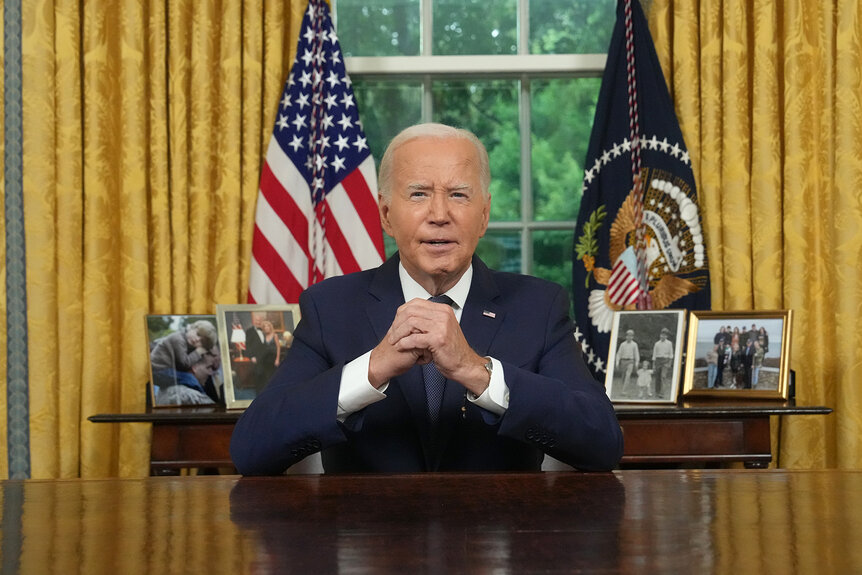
<point x="442" y="299"/>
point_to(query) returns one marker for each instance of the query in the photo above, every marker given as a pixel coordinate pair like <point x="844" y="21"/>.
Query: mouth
<point x="437" y="243"/>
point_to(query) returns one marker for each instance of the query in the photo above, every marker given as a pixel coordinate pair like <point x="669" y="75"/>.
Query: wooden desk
<point x="691" y="521"/>
<point x="703" y="433"/>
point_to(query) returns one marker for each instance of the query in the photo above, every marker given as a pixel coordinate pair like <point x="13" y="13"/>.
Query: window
<point x="524" y="76"/>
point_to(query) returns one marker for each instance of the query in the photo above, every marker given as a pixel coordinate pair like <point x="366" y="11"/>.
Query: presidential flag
<point x="316" y="211"/>
<point x="638" y="242"/>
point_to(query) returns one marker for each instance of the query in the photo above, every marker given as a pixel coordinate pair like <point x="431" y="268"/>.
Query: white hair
<point x="431" y="130"/>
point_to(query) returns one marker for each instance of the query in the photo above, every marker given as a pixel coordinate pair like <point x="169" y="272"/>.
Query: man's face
<point x="437" y="211"/>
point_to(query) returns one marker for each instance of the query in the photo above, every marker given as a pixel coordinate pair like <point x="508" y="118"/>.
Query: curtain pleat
<point x="769" y="97"/>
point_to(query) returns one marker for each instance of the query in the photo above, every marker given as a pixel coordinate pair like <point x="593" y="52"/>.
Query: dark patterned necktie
<point x="435" y="383"/>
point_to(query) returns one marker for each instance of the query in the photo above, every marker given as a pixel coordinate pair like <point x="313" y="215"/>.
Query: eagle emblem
<point x="675" y="255"/>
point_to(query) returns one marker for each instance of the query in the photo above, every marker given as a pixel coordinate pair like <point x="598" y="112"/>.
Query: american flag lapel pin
<point x="490" y="314"/>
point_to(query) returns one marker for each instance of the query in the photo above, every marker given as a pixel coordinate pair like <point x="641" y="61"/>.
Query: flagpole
<point x="317" y="267"/>
<point x="637" y="184"/>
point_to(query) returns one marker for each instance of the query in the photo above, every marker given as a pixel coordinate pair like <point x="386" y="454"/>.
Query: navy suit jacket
<point x="555" y="405"/>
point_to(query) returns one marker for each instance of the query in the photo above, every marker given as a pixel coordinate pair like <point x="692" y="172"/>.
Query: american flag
<point x="317" y="205"/>
<point x="624" y="287"/>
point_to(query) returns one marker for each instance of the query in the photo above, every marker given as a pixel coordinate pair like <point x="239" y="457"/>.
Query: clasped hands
<point x="424" y="332"/>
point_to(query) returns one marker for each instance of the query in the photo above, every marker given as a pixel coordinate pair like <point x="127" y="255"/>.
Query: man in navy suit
<point x="513" y="384"/>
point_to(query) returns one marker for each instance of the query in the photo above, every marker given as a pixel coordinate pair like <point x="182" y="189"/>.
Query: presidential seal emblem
<point x="675" y="252"/>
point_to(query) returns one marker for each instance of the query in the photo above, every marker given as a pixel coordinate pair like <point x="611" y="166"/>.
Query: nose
<point x="438" y="209"/>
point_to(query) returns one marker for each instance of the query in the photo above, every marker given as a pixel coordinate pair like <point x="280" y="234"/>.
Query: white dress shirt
<point x="356" y="392"/>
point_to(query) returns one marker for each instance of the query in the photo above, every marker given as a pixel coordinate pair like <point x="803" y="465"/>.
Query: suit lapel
<point x="385" y="297"/>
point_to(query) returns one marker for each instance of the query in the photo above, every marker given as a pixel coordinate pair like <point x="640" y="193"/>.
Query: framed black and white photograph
<point x="645" y="356"/>
<point x="254" y="340"/>
<point x="185" y="361"/>
<point x="738" y="353"/>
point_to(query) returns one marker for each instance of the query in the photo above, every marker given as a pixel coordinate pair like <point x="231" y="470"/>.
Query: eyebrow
<point x="418" y="186"/>
<point x="427" y="186"/>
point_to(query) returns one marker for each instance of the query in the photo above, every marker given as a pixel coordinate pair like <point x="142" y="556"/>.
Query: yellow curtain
<point x="769" y="98"/>
<point x="144" y="125"/>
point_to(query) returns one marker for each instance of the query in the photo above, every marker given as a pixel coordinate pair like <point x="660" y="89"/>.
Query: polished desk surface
<point x="692" y="521"/>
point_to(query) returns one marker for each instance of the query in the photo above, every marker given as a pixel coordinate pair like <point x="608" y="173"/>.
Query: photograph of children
<point x="255" y="339"/>
<point x="741" y="353"/>
<point x="645" y="356"/>
<point x="185" y="361"/>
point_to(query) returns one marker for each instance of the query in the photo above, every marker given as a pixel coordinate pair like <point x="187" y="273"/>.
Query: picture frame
<point x="184" y="360"/>
<point x="249" y="361"/>
<point x="747" y="376"/>
<point x="635" y="337"/>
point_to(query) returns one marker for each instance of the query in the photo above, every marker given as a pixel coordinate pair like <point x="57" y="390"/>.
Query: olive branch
<point x="587" y="246"/>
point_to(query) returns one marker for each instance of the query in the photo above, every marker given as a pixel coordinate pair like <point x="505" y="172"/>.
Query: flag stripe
<point x="274" y="268"/>
<point x="281" y="204"/>
<point x="290" y="246"/>
<point x="361" y="245"/>
<point x="364" y="201"/>
<point x="336" y="242"/>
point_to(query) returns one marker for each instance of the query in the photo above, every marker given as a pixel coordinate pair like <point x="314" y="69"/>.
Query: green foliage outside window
<point x="560" y="119"/>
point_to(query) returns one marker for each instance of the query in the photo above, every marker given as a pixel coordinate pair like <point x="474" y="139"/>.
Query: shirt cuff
<point x="495" y="398"/>
<point x="356" y="392"/>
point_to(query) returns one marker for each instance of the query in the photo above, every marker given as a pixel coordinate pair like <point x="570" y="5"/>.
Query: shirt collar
<point x="411" y="288"/>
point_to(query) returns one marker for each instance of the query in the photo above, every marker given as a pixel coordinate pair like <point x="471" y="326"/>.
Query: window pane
<point x="571" y="26"/>
<point x="475" y="27"/>
<point x="385" y="108"/>
<point x="501" y="250"/>
<point x="561" y="122"/>
<point x="552" y="256"/>
<point x="378" y="27"/>
<point x="489" y="109"/>
<point x="389" y="246"/>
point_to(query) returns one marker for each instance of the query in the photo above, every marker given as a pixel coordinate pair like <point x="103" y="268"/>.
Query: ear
<point x="383" y="208"/>
<point x="486" y="216"/>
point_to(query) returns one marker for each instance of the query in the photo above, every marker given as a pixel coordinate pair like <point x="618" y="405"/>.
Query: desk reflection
<point x="509" y="523"/>
<point x="725" y="521"/>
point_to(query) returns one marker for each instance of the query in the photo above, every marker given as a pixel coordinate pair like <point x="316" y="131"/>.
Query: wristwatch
<point x="489" y="367"/>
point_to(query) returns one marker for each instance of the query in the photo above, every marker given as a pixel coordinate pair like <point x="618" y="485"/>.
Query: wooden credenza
<point x="703" y="433"/>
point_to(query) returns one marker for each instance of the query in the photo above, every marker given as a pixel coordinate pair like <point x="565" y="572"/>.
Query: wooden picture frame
<point x="759" y="370"/>
<point x="184" y="369"/>
<point x="249" y="362"/>
<point x="638" y="336"/>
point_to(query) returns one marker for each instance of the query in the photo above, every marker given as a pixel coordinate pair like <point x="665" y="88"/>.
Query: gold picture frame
<point x="249" y="363"/>
<point x="756" y="370"/>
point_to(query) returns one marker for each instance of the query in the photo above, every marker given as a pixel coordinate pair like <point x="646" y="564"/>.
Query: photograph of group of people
<point x="742" y="354"/>
<point x="255" y="339"/>
<point x="644" y="358"/>
<point x="185" y="361"/>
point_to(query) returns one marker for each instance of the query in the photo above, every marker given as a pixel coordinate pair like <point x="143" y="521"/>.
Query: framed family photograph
<point x="742" y="353"/>
<point x="645" y="356"/>
<point x="185" y="361"/>
<point x="254" y="340"/>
